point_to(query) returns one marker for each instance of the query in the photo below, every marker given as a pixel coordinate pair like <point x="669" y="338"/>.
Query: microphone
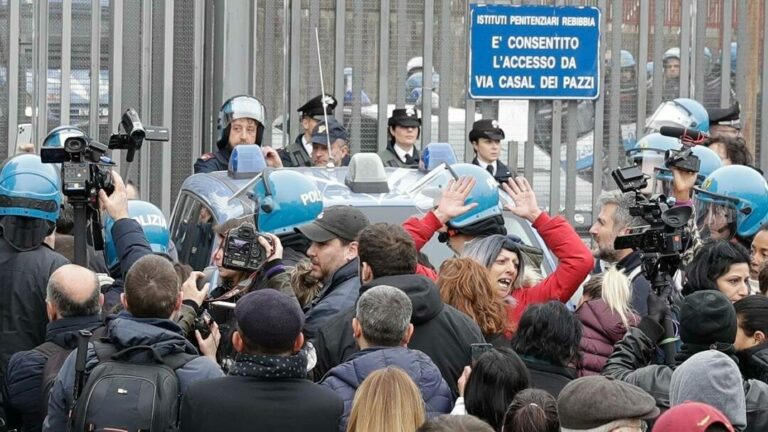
<point x="683" y="134"/>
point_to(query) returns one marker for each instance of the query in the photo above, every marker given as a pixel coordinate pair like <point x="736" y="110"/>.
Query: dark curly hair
<point x="549" y="332"/>
<point x="710" y="262"/>
<point x="735" y="148"/>
<point x="497" y="376"/>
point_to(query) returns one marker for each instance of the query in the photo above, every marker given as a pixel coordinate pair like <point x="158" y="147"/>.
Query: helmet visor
<point x="662" y="183"/>
<point x="426" y="192"/>
<point x="243" y="107"/>
<point x="669" y="114"/>
<point x="715" y="216"/>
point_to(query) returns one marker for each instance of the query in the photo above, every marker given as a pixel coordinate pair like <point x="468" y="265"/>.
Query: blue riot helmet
<point x="681" y="112"/>
<point x="732" y="201"/>
<point x="30" y="200"/>
<point x="237" y="107"/>
<point x="285" y="200"/>
<point x="672" y="53"/>
<point x="153" y="224"/>
<point x="486" y="218"/>
<point x="627" y="60"/>
<point x="648" y="153"/>
<point x="709" y="161"/>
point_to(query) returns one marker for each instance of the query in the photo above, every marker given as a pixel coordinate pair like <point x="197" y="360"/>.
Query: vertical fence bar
<point x="446" y="71"/>
<point x="167" y="149"/>
<point x="699" y="44"/>
<point x="597" y="144"/>
<point x="685" y="50"/>
<point x="530" y="144"/>
<point x="642" y="59"/>
<point x="115" y="77"/>
<point x="725" y="62"/>
<point x="357" y="79"/>
<point x="764" y="92"/>
<point x="146" y="91"/>
<point x="197" y="91"/>
<point x="294" y="78"/>
<point x="13" y="74"/>
<point x="39" y="110"/>
<point x="614" y="137"/>
<point x="554" y="178"/>
<point x="658" y="52"/>
<point x="400" y="56"/>
<point x="381" y="131"/>
<point x="66" y="59"/>
<point x="470" y="104"/>
<point x="93" y="111"/>
<point x="426" y="91"/>
<point x="741" y="61"/>
<point x="341" y="28"/>
<point x="269" y="45"/>
<point x="313" y="86"/>
<point x="570" y="169"/>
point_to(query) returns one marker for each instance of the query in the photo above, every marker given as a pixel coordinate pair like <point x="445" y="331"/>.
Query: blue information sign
<point x="534" y="52"/>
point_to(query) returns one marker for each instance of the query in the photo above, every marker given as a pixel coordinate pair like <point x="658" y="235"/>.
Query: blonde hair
<point x="304" y="285"/>
<point x="387" y="401"/>
<point x="613" y="287"/>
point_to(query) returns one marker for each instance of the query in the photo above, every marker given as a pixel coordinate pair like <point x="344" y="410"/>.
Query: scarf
<point x="267" y="366"/>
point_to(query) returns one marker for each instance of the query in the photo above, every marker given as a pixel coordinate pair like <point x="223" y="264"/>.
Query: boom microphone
<point x="683" y="134"/>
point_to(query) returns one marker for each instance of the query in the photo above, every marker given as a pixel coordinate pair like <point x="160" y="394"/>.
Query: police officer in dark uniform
<point x="485" y="137"/>
<point x="337" y="152"/>
<point x="241" y="121"/>
<point x="404" y="131"/>
<point x="299" y="152"/>
<point x="725" y="122"/>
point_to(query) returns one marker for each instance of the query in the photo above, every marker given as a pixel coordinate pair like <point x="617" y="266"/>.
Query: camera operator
<point x="241" y="121"/>
<point x="32" y="199"/>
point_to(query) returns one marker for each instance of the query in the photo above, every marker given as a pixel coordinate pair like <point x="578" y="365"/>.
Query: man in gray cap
<point x="335" y="153"/>
<point x="333" y="254"/>
<point x="601" y="404"/>
<point x="299" y="152"/>
<point x="266" y="388"/>
<point x="404" y="130"/>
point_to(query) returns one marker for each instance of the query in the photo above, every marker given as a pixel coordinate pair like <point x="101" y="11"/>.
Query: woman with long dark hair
<point x="720" y="265"/>
<point x="751" y="343"/>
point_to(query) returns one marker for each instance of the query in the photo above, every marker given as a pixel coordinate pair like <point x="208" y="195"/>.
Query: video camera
<point x="665" y="237"/>
<point x="84" y="170"/>
<point x="683" y="159"/>
<point x="242" y="250"/>
<point x="132" y="133"/>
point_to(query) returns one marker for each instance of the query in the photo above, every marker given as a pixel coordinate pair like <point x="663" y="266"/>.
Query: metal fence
<point x="84" y="62"/>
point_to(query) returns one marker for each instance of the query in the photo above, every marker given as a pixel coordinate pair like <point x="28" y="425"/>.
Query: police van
<point x="213" y="198"/>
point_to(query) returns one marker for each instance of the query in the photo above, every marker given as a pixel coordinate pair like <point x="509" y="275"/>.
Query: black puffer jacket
<point x="630" y="362"/>
<point x="440" y="331"/>
<point x="753" y="362"/>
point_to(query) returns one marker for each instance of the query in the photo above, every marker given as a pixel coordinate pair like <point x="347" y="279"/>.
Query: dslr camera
<point x="242" y="250"/>
<point x="84" y="171"/>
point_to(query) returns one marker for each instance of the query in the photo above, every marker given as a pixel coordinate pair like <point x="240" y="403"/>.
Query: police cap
<point x="334" y="130"/>
<point x="314" y="107"/>
<point x="488" y="128"/>
<point x="408" y="117"/>
<point x="725" y="116"/>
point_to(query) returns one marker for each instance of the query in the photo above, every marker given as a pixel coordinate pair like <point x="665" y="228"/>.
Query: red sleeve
<point x="422" y="230"/>
<point x="426" y="271"/>
<point x="575" y="264"/>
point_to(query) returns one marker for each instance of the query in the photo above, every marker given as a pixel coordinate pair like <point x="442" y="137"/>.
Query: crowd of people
<point x="347" y="326"/>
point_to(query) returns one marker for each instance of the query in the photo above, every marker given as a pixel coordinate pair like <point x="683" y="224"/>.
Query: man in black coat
<point x="267" y="387"/>
<point x="485" y="137"/>
<point x="388" y="257"/>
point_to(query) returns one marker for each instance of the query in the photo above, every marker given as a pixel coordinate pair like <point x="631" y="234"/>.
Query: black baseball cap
<point x="488" y="128"/>
<point x="333" y="130"/>
<point x="342" y="222"/>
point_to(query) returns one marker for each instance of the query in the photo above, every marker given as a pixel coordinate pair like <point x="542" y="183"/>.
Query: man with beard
<point x="614" y="220"/>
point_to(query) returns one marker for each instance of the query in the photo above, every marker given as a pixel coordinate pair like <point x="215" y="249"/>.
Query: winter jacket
<point x="22" y="310"/>
<point x="753" y="362"/>
<point x="549" y="377"/>
<point x="601" y="330"/>
<point x="345" y="378"/>
<point x="125" y="331"/>
<point x="22" y="390"/>
<point x="630" y="362"/>
<point x="261" y="393"/>
<point x="575" y="260"/>
<point x="440" y="331"/>
<point x="338" y="294"/>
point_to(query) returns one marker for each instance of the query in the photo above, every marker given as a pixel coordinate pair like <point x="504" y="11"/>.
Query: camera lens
<point x="74" y="145"/>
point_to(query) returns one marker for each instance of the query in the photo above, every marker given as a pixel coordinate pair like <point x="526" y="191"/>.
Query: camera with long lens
<point x="242" y="250"/>
<point x="84" y="171"/>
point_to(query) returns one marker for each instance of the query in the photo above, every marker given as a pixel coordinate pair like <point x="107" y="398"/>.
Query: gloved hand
<point x="652" y="325"/>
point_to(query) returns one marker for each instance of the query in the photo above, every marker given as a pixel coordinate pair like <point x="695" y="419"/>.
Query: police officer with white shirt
<point x="485" y="137"/>
<point x="404" y="131"/>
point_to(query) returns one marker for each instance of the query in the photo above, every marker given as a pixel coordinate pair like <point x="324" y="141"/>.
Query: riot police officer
<point x="299" y="152"/>
<point x="404" y="130"/>
<point x="241" y="121"/>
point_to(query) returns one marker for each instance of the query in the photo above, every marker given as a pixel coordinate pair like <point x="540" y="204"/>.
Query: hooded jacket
<point x="440" y="331"/>
<point x="753" y="362"/>
<point x="602" y="329"/>
<point x="22" y="389"/>
<point x="124" y="331"/>
<point x="630" y="362"/>
<point x="345" y="378"/>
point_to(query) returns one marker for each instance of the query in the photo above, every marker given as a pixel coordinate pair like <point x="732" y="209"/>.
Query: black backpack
<point x="126" y="396"/>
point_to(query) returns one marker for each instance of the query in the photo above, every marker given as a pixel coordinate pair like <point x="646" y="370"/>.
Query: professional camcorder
<point x="242" y="250"/>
